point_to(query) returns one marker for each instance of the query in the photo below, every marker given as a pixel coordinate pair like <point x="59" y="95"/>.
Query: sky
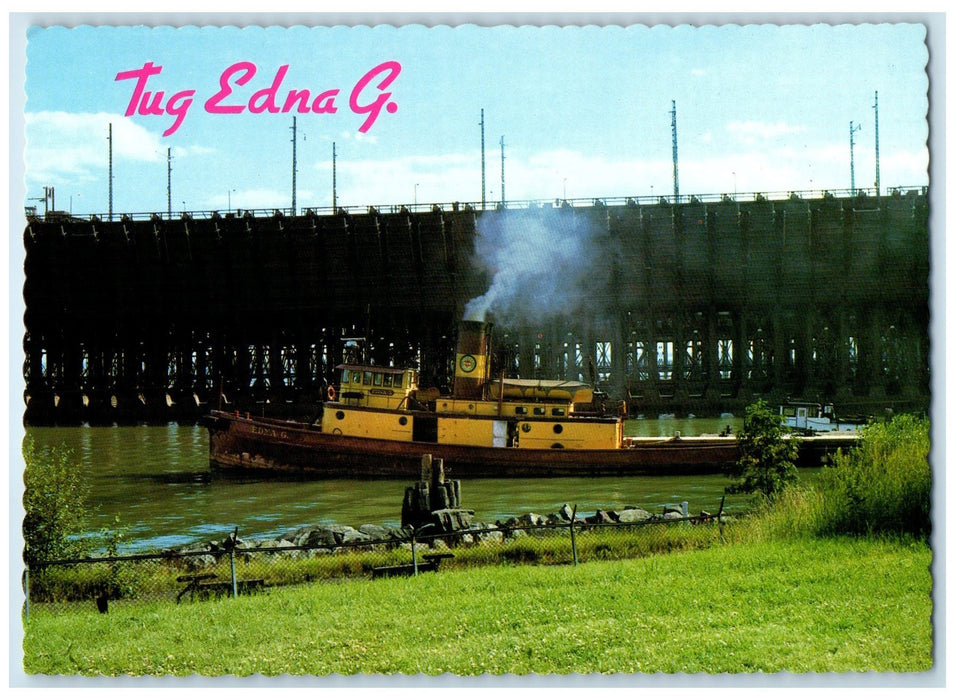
<point x="584" y="112"/>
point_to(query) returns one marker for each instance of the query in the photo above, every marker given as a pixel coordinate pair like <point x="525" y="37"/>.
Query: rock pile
<point x="316" y="540"/>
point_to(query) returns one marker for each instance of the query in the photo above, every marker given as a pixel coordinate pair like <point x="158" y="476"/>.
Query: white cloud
<point x="75" y="147"/>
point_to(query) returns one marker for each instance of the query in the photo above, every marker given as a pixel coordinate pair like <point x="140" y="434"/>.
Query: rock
<point x="495" y="536"/>
<point x="313" y="537"/>
<point x="452" y="519"/>
<point x="554" y="519"/>
<point x="351" y="536"/>
<point x="376" y="532"/>
<point x="198" y="563"/>
<point x="633" y="515"/>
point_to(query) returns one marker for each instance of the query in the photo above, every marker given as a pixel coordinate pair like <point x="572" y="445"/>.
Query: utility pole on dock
<point x="853" y="128"/>
<point x="878" y="191"/>
<point x="334" y="180"/>
<point x="483" y="198"/>
<point x="109" y="139"/>
<point x="503" y="198"/>
<point x="294" y="163"/>
<point x="169" y="183"/>
<point x="676" y="173"/>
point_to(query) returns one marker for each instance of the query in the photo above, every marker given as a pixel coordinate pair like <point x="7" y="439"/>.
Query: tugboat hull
<point x="262" y="444"/>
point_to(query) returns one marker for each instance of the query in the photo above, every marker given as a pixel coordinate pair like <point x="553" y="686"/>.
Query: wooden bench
<point x="437" y="557"/>
<point x="194" y="582"/>
<point x="403" y="569"/>
<point x="225" y="587"/>
<point x="430" y="563"/>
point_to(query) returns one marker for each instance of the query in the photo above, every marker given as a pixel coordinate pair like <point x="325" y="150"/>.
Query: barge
<point x="377" y="423"/>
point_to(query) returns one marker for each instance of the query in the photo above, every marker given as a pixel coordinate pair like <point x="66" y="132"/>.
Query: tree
<point x="55" y="500"/>
<point x="767" y="460"/>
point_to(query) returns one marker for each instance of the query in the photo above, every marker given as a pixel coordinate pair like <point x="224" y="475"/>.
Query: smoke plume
<point x="544" y="263"/>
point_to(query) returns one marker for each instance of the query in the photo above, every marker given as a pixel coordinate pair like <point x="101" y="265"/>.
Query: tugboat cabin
<point x="374" y="387"/>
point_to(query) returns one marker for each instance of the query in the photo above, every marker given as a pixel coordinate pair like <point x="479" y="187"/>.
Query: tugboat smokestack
<point x="471" y="366"/>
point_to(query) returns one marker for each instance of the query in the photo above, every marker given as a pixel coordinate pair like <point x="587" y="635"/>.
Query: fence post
<point x="235" y="586"/>
<point x="719" y="516"/>
<point x="573" y="539"/>
<point x="414" y="556"/>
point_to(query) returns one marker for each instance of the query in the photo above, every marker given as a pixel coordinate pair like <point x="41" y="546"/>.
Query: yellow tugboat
<point x="378" y="423"/>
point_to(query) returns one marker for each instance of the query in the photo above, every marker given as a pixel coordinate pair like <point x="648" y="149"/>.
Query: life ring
<point x="331" y="393"/>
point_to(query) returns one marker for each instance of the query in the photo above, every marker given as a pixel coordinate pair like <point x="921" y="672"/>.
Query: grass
<point x="60" y="584"/>
<point x="833" y="577"/>
<point x="801" y="605"/>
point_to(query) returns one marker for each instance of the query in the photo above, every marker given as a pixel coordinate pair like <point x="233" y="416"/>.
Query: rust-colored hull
<point x="249" y="443"/>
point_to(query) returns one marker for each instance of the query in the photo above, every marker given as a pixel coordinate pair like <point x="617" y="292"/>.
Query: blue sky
<point x="584" y="112"/>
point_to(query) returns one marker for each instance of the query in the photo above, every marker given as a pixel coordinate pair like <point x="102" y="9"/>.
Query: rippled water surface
<point x="157" y="481"/>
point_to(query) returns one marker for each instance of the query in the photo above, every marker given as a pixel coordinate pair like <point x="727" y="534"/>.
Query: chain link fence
<point x="233" y="567"/>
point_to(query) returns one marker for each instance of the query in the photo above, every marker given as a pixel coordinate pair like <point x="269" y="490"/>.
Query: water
<point x="157" y="482"/>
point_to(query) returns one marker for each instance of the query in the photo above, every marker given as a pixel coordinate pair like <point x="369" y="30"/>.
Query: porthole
<point x="403" y="420"/>
<point x="340" y="415"/>
<point x="558" y="428"/>
<point x="526" y="427"/>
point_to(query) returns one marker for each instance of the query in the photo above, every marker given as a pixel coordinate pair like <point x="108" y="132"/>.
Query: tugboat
<point x="377" y="423"/>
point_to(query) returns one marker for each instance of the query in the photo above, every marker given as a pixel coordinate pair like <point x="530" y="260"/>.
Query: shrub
<point x="884" y="484"/>
<point x="55" y="500"/>
<point x="767" y="461"/>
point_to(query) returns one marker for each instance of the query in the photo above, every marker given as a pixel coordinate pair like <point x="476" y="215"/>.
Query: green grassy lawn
<point x="799" y="605"/>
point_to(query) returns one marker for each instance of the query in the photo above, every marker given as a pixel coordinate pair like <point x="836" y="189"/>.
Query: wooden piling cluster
<point x="434" y="499"/>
